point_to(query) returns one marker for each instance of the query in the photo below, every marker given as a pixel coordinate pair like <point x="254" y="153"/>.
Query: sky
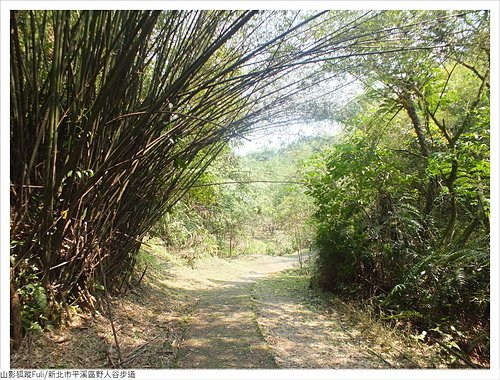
<point x="278" y="138"/>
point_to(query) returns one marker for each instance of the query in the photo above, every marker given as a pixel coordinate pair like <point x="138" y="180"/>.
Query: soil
<point x="223" y="331"/>
<point x="254" y="311"/>
<point x="259" y="312"/>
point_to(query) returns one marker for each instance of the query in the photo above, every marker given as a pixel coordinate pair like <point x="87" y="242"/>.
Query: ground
<point x="254" y="311"/>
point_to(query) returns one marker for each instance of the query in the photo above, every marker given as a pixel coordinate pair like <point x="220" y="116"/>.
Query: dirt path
<point x="305" y="332"/>
<point x="248" y="312"/>
<point x="292" y="325"/>
<point x="258" y="312"/>
<point x="222" y="330"/>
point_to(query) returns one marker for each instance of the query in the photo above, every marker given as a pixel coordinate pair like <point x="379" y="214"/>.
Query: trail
<point x="222" y="330"/>
<point x="250" y="312"/>
<point x="253" y="311"/>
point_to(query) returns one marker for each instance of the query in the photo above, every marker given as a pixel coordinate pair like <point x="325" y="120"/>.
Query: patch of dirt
<point x="222" y="330"/>
<point x="259" y="312"/>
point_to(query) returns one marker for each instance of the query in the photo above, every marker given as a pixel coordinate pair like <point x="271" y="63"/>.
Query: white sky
<point x="278" y="138"/>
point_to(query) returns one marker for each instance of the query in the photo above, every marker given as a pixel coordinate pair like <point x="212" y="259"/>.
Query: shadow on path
<point x="222" y="331"/>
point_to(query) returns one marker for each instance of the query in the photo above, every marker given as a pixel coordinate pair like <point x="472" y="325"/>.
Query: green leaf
<point x="40" y="297"/>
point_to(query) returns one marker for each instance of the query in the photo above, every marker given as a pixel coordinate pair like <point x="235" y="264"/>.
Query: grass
<point x="159" y="307"/>
<point x="155" y="253"/>
<point x="356" y="319"/>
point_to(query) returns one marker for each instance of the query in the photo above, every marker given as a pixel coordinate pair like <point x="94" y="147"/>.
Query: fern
<point x="40" y="297"/>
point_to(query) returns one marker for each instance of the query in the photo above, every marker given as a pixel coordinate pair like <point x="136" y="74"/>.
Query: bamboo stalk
<point x="110" y="314"/>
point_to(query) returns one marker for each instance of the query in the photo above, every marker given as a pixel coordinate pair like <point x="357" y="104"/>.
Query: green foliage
<point x="116" y="117"/>
<point x="35" y="304"/>
<point x="226" y="214"/>
<point x="402" y="214"/>
<point x="375" y="241"/>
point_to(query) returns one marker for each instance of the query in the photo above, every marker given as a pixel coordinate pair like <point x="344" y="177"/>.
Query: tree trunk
<point x="408" y="105"/>
<point x="16" y="333"/>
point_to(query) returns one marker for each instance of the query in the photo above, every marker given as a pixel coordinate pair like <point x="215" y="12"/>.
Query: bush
<point x="375" y="242"/>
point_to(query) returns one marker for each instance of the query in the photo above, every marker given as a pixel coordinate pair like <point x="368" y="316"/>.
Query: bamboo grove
<point x="116" y="114"/>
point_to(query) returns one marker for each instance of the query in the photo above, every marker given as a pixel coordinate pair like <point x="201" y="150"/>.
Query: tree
<point x="403" y="215"/>
<point x="114" y="115"/>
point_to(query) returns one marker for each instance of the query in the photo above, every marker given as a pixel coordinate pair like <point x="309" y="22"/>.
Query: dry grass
<point x="157" y="320"/>
<point x="330" y="333"/>
<point x="149" y="321"/>
<point x="398" y="349"/>
<point x="148" y="328"/>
